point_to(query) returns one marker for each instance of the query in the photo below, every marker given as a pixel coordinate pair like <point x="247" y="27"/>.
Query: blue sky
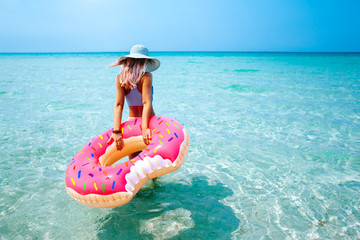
<point x="188" y="25"/>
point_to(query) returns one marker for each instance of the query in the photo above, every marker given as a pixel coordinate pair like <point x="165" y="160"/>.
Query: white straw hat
<point x="140" y="51"/>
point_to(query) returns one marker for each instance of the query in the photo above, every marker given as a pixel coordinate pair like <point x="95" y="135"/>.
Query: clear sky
<point x="187" y="25"/>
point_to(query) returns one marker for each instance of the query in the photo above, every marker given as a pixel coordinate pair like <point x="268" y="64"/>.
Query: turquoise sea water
<point x="274" y="146"/>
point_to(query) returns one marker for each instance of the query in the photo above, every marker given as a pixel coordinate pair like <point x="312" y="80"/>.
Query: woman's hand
<point x="146" y="136"/>
<point x="117" y="138"/>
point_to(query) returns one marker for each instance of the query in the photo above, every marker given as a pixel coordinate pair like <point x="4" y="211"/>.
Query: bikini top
<point x="134" y="97"/>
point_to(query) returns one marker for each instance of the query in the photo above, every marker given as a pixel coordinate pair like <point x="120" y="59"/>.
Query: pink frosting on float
<point x="84" y="174"/>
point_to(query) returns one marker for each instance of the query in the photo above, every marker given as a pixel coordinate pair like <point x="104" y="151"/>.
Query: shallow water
<point x="274" y="146"/>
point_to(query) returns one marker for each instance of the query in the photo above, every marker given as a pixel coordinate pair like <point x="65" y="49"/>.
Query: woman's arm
<point x="119" y="104"/>
<point x="147" y="106"/>
<point x="118" y="109"/>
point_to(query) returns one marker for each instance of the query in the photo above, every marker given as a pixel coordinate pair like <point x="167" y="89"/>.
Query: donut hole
<point x="113" y="157"/>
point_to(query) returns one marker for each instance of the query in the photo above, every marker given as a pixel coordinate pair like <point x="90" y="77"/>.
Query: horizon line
<point x="177" y="51"/>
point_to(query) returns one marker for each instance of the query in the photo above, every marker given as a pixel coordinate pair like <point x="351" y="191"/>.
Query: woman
<point x="135" y="84"/>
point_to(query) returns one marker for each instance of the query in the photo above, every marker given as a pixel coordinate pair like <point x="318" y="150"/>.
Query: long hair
<point x="132" y="71"/>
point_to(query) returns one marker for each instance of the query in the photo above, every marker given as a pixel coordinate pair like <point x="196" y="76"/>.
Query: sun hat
<point x="140" y="51"/>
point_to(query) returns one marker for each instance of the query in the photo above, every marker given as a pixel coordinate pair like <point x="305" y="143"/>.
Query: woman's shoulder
<point x="147" y="74"/>
<point x="146" y="77"/>
<point x="146" y="80"/>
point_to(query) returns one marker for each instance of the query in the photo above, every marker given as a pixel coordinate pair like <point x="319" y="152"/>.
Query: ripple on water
<point x="273" y="147"/>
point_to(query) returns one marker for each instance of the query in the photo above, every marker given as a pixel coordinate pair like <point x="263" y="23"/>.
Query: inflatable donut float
<point x="93" y="179"/>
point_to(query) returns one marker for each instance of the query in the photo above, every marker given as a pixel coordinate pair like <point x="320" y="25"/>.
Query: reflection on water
<point x="174" y="211"/>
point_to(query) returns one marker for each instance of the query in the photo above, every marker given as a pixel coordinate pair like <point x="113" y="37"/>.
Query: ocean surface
<point x="274" y="146"/>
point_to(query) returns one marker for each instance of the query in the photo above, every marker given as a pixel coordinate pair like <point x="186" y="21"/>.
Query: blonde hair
<point x="132" y="71"/>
